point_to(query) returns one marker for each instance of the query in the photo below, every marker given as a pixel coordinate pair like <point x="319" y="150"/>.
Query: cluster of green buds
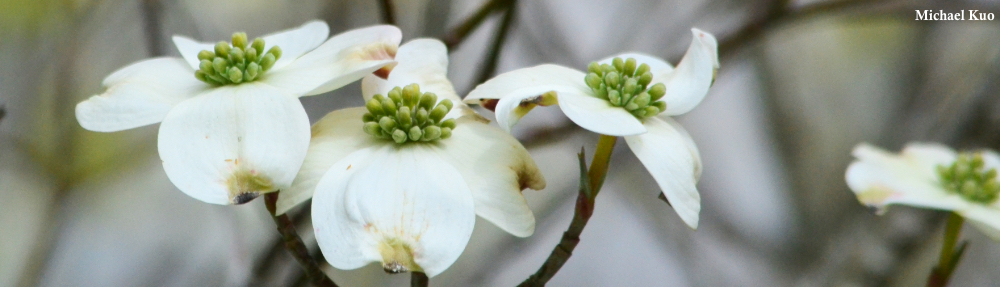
<point x="969" y="178"/>
<point x="407" y="115"/>
<point x="627" y="85"/>
<point x="236" y="63"/>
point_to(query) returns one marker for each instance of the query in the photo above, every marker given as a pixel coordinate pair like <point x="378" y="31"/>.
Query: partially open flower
<point x="401" y="180"/>
<point x="233" y="127"/>
<point x="930" y="176"/>
<point x="630" y="95"/>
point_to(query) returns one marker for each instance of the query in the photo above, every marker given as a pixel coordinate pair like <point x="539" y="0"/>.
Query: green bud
<point x="387" y="124"/>
<point x="449" y="123"/>
<point x="399" y="136"/>
<point x="990" y="174"/>
<point x="652" y="111"/>
<point x="445" y="133"/>
<point x="235" y="75"/>
<point x="657" y="91"/>
<point x="427" y="100"/>
<point x="645" y="79"/>
<point x="630" y="67"/>
<point x="206" y="66"/>
<point x="240" y="40"/>
<point x="631" y="106"/>
<point x="201" y="77"/>
<point x="396" y="97"/>
<point x="374" y="107"/>
<point x="601" y="92"/>
<point x="605" y="69"/>
<point x="422" y="116"/>
<point x="368" y="117"/>
<point x="403" y="116"/>
<point x="222" y="49"/>
<point x="969" y="187"/>
<point x="611" y="79"/>
<point x="411" y="91"/>
<point x="258" y="44"/>
<point x="631" y="85"/>
<point x="431" y="133"/>
<point x="251" y="54"/>
<point x="447" y="103"/>
<point x="415" y="133"/>
<point x="438" y="113"/>
<point x="206" y="55"/>
<point x="660" y="105"/>
<point x="618" y="63"/>
<point x="267" y="62"/>
<point x="595" y="68"/>
<point x="642" y="69"/>
<point x="639" y="113"/>
<point x="276" y="51"/>
<point x="642" y="100"/>
<point x="389" y="106"/>
<point x="220" y="65"/>
<point x="614" y="97"/>
<point x="372" y="128"/>
<point x="977" y="161"/>
<point x="253" y="70"/>
<point x="593" y="80"/>
<point x="236" y="55"/>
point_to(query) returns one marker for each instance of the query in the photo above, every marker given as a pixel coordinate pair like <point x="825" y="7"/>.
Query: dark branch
<point x="294" y="244"/>
<point x="455" y="37"/>
<point x="418" y="279"/>
<point x="388" y="12"/>
<point x="490" y="66"/>
<point x="152" y="12"/>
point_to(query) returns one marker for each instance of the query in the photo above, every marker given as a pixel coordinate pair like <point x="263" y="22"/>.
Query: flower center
<point x="407" y="115"/>
<point x="969" y="178"/>
<point x="397" y="256"/>
<point x="239" y="62"/>
<point x="626" y="85"/>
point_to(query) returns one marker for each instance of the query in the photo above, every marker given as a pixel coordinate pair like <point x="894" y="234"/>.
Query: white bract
<point x="930" y="176"/>
<point x="401" y="180"/>
<point x="232" y="125"/>
<point x="630" y="95"/>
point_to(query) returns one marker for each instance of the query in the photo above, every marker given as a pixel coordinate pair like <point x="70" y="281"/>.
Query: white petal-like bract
<point x="668" y="153"/>
<point x="139" y="94"/>
<point x="599" y="116"/>
<point x="403" y="207"/>
<point x="688" y="84"/>
<point x="233" y="143"/>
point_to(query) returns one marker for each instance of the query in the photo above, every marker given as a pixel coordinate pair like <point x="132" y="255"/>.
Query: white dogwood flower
<point x="401" y="180"/>
<point x="930" y="176"/>
<point x="232" y="125"/>
<point x="627" y="95"/>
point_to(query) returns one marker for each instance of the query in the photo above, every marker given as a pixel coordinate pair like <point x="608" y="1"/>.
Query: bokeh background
<point x="801" y="83"/>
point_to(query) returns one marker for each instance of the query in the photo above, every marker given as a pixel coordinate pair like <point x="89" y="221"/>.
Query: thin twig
<point x="294" y="244"/>
<point x="490" y="66"/>
<point x="388" y="12"/>
<point x="419" y="279"/>
<point x="455" y="36"/>
<point x="271" y="257"/>
<point x="152" y="12"/>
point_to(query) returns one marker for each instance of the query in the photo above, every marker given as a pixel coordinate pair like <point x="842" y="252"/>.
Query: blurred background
<point x="801" y="83"/>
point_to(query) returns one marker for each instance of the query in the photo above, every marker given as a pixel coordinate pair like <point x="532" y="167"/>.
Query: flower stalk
<point x="590" y="183"/>
<point x="949" y="254"/>
<point x="419" y="279"/>
<point x="295" y="246"/>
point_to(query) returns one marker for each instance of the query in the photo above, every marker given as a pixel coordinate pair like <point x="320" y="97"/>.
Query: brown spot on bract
<point x="384" y="71"/>
<point x="489" y="104"/>
<point x="348" y="167"/>
<point x="229" y="160"/>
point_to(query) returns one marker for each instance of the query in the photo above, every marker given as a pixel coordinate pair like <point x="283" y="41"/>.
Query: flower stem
<point x="590" y="184"/>
<point x="493" y="55"/>
<point x="949" y="255"/>
<point x="455" y="37"/>
<point x="294" y="244"/>
<point x="418" y="279"/>
<point x="388" y="12"/>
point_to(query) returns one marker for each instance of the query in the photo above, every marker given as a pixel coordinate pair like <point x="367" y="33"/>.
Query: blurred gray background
<point x="801" y="83"/>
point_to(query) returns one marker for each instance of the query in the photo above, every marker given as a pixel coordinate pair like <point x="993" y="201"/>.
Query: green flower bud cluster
<point x="968" y="178"/>
<point x="407" y="115"/>
<point x="627" y="85"/>
<point x="236" y="63"/>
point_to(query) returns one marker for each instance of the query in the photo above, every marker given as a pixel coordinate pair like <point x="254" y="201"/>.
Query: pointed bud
<point x="240" y="40"/>
<point x="593" y="81"/>
<point x="428" y="100"/>
<point x="431" y="133"/>
<point x="657" y="91"/>
<point x="267" y="62"/>
<point x="415" y="133"/>
<point x="438" y="113"/>
<point x="630" y="67"/>
<point x="399" y="136"/>
<point x="206" y="55"/>
<point x="387" y="124"/>
<point x="222" y="49"/>
<point x="235" y="75"/>
<point x="449" y="123"/>
<point x="258" y="44"/>
<point x="618" y="63"/>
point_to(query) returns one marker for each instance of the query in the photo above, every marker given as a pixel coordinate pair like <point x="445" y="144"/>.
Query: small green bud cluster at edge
<point x="969" y="178"/>
<point x="236" y="63"/>
<point x="626" y="85"/>
<point x="407" y="115"/>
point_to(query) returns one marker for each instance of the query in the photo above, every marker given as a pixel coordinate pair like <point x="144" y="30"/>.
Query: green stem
<point x="294" y="244"/>
<point x="949" y="255"/>
<point x="590" y="184"/>
<point x="418" y="279"/>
